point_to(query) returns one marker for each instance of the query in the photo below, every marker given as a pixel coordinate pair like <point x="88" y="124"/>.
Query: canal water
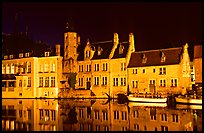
<point x="97" y="115"/>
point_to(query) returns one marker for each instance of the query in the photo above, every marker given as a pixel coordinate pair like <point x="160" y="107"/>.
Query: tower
<point x="70" y="49"/>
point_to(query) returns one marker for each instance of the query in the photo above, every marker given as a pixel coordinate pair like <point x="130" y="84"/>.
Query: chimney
<point x="115" y="39"/>
<point x="131" y="42"/>
<point x="78" y="40"/>
<point x="115" y="45"/>
<point x="58" y="49"/>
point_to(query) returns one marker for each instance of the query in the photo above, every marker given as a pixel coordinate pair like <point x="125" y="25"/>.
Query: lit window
<point x="47" y="54"/>
<point x="29" y="81"/>
<point x="8" y="69"/>
<point x="99" y="50"/>
<point x="105" y="66"/>
<point x="12" y="68"/>
<point x="104" y="80"/>
<point x="122" y="66"/>
<point x="134" y="84"/>
<point x="87" y="54"/>
<point x="40" y="81"/>
<point x="3" y="69"/>
<point x="144" y="58"/>
<point x="11" y="56"/>
<point x="121" y="48"/>
<point x="20" y="83"/>
<point x="6" y="57"/>
<point x="96" y="67"/>
<point x="123" y="82"/>
<point x="27" y="54"/>
<point x="41" y="68"/>
<point x="46" y="67"/>
<point x="53" y="114"/>
<point x="88" y="68"/>
<point x="29" y="67"/>
<point x="115" y="81"/>
<point x="81" y="81"/>
<point x="52" y="67"/>
<point x="162" y="82"/>
<point x="20" y="55"/>
<point x="96" y="80"/>
<point x="174" y="82"/>
<point x="134" y="71"/>
<point x="46" y="81"/>
<point x="162" y="70"/>
<point x="163" y="57"/>
<point x="52" y="81"/>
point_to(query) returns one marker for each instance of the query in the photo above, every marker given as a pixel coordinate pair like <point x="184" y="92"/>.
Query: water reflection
<point x="96" y="115"/>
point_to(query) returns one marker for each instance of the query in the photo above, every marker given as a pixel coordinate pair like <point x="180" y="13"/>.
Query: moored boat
<point x="189" y="99"/>
<point x="147" y="98"/>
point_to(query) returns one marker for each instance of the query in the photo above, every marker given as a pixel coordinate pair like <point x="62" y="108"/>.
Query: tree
<point x="72" y="80"/>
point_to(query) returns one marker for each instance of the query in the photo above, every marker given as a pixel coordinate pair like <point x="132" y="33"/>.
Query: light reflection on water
<point x="96" y="115"/>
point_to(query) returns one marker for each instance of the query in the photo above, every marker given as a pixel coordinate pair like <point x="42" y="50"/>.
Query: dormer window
<point x="21" y="55"/>
<point x="144" y="58"/>
<point x="163" y="57"/>
<point x="27" y="54"/>
<point x="121" y="48"/>
<point x="99" y="50"/>
<point x="6" y="57"/>
<point x="47" y="54"/>
<point x="88" y="54"/>
<point x="11" y="56"/>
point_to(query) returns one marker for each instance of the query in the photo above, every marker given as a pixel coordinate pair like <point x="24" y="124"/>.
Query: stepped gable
<point x="154" y="57"/>
<point x="121" y="54"/>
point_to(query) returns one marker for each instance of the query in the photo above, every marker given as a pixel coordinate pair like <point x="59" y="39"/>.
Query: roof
<point x="154" y="57"/>
<point x="105" y="50"/>
<point x="124" y="46"/>
<point x="198" y="51"/>
<point x="105" y="47"/>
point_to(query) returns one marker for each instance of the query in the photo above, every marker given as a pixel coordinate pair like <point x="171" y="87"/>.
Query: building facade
<point x="25" y="75"/>
<point x="160" y="71"/>
<point x="101" y="67"/>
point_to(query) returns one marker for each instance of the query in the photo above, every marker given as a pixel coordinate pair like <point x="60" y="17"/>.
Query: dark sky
<point x="155" y="25"/>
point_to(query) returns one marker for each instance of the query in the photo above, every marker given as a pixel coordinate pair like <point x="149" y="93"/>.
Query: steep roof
<point x="198" y="51"/>
<point x="106" y="50"/>
<point x="154" y="57"/>
<point x="105" y="47"/>
<point x="117" y="54"/>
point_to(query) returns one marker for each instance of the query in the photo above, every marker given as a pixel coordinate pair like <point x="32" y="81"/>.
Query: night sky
<point x="155" y="25"/>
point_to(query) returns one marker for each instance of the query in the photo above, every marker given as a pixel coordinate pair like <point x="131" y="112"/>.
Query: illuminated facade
<point x="101" y="67"/>
<point x="26" y="75"/>
<point x="160" y="71"/>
